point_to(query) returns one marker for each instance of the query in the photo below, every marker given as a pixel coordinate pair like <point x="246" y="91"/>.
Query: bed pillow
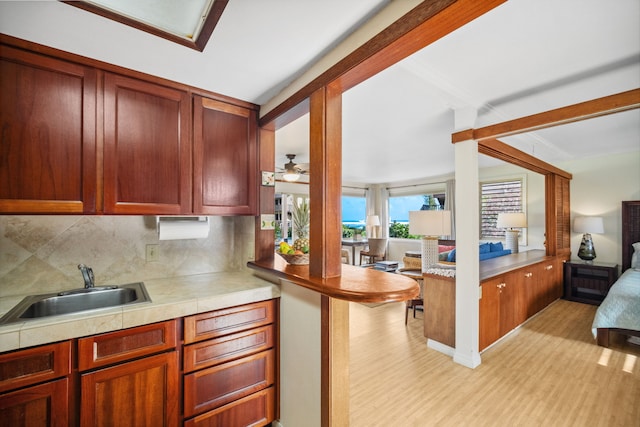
<point x="634" y="258"/>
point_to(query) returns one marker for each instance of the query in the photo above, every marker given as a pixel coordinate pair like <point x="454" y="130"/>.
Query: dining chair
<point x="377" y="249"/>
<point x="345" y="256"/>
<point x="415" y="303"/>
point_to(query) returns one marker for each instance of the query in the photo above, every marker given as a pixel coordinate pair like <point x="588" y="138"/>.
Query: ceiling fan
<point x="292" y="171"/>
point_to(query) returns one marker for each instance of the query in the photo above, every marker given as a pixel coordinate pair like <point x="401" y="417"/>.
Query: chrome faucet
<point x="87" y="275"/>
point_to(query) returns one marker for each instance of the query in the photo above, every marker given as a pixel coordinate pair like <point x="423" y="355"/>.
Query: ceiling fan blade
<point x="302" y="167"/>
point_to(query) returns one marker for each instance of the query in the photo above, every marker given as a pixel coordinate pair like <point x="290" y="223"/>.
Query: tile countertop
<point x="170" y="298"/>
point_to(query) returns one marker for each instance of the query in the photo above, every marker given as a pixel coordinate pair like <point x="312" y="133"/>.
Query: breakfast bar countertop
<point x="170" y="298"/>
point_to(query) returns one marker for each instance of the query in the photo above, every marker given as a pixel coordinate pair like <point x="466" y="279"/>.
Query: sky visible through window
<point x="354" y="208"/>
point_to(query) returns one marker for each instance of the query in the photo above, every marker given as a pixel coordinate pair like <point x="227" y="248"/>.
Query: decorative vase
<point x="586" y="251"/>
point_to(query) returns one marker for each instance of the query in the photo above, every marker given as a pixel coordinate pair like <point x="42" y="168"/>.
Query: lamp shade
<point x="511" y="220"/>
<point x="430" y="223"/>
<point x="373" y="221"/>
<point x="588" y="224"/>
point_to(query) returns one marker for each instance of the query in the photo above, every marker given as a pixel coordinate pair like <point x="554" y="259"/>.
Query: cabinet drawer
<point x="219" y="350"/>
<point x="213" y="387"/>
<point x="24" y="367"/>
<point x="254" y="410"/>
<point x="113" y="347"/>
<point x="222" y="322"/>
<point x="41" y="405"/>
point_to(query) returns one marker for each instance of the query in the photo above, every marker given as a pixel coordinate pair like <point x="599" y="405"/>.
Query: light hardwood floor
<point x="549" y="372"/>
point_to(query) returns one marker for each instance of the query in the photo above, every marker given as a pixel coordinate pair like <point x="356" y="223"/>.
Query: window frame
<point x="522" y="237"/>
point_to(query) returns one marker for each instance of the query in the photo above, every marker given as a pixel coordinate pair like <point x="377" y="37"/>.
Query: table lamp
<point x="587" y="225"/>
<point x="430" y="225"/>
<point x="511" y="220"/>
<point x="373" y="222"/>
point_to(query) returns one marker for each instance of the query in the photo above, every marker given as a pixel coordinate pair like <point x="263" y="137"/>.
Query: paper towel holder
<point x="184" y="222"/>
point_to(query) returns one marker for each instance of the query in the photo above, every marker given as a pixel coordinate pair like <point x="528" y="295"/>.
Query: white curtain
<point x="383" y="200"/>
<point x="449" y="204"/>
<point x="378" y="204"/>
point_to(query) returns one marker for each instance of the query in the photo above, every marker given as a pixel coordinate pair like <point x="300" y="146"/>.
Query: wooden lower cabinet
<point x="132" y="377"/>
<point x="510" y="299"/>
<point x="40" y="405"/>
<point x="440" y="309"/>
<point x="490" y="311"/>
<point x="34" y="386"/>
<point x="230" y="366"/>
<point x="143" y="392"/>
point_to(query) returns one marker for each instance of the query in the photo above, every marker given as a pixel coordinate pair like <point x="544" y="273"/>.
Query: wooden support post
<point x="335" y="362"/>
<point x="264" y="240"/>
<point x="325" y="182"/>
<point x="325" y="189"/>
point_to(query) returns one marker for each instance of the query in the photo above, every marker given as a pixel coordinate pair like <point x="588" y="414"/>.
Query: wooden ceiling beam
<point x="611" y="104"/>
<point x="423" y="25"/>
<point x="499" y="150"/>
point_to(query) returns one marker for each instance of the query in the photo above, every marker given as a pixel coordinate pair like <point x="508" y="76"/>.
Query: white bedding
<point x="621" y="308"/>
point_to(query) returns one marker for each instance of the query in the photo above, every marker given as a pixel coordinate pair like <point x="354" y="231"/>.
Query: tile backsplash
<point x="40" y="254"/>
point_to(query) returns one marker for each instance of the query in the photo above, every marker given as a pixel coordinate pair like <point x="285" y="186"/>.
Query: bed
<point x="620" y="310"/>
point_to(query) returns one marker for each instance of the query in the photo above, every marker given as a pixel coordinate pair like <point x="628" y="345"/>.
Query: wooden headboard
<point x="630" y="230"/>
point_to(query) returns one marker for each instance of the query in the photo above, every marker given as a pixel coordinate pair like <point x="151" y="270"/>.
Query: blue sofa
<point x="485" y="250"/>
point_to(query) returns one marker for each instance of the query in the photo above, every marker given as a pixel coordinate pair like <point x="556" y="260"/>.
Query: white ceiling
<point x="522" y="58"/>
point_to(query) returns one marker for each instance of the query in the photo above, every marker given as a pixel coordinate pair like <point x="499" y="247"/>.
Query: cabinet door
<point x="139" y="393"/>
<point x="224" y="158"/>
<point x="513" y="311"/>
<point x="490" y="311"/>
<point x="42" y="405"/>
<point x="147" y="148"/>
<point x="47" y="116"/>
<point x="535" y="289"/>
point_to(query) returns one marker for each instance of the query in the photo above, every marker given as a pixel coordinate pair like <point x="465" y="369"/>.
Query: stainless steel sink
<point x="76" y="300"/>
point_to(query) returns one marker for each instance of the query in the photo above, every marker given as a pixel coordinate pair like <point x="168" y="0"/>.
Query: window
<point x="354" y="213"/>
<point x="497" y="197"/>
<point x="399" y="207"/>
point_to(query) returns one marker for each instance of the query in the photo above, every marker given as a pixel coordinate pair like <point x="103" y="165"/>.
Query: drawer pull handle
<point x="528" y="275"/>
<point x="549" y="267"/>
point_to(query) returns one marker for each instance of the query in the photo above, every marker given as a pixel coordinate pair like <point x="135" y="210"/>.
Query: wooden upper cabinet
<point x="147" y="148"/>
<point x="48" y="122"/>
<point x="224" y="158"/>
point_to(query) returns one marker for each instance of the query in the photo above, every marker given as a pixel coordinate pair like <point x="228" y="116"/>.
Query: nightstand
<point x="588" y="283"/>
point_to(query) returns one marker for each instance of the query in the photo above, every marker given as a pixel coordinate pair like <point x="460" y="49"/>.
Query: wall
<point x="40" y="254"/>
<point x="300" y="351"/>
<point x="598" y="187"/>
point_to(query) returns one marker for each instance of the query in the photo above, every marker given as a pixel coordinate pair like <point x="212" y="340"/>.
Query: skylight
<point x="186" y="22"/>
